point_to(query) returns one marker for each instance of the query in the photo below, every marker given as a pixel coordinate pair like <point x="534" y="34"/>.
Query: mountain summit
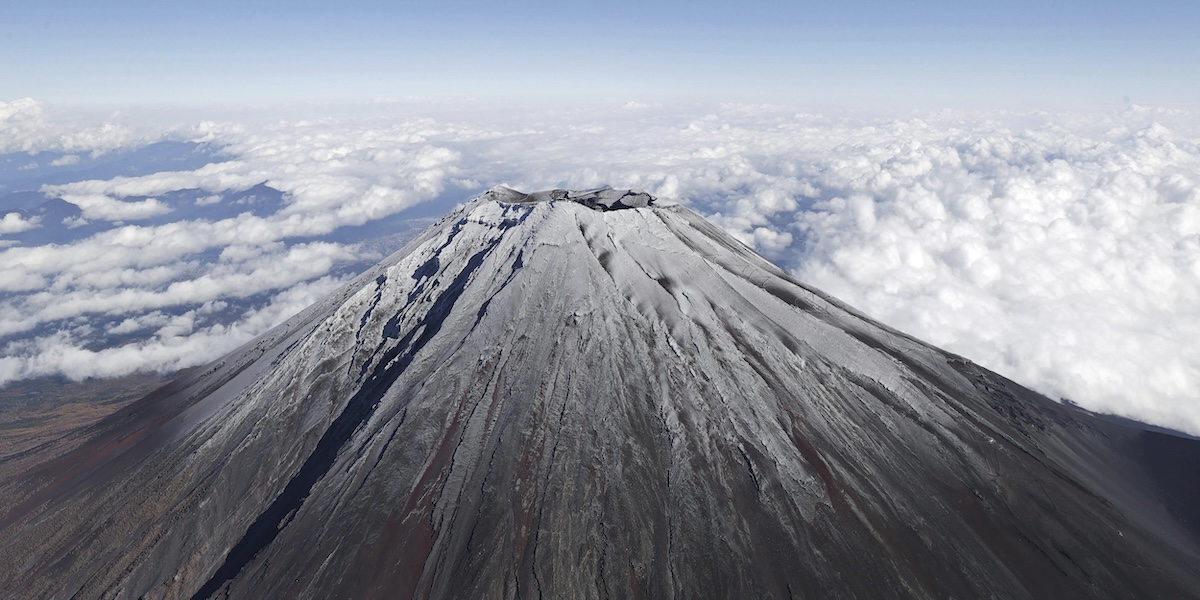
<point x="598" y="394"/>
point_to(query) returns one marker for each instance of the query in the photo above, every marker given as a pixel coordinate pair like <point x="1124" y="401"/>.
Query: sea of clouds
<point x="1061" y="250"/>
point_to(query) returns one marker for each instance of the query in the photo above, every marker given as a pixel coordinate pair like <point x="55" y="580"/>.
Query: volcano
<point x="598" y="394"/>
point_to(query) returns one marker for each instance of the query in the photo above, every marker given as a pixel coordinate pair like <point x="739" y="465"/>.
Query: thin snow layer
<point x="539" y="396"/>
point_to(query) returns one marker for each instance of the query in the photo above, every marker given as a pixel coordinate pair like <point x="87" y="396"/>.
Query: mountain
<point x="598" y="394"/>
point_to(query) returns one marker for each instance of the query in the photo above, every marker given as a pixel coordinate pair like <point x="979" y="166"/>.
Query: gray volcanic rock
<point x="598" y="394"/>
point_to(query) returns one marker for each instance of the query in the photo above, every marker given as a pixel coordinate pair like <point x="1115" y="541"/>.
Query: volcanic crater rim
<point x="600" y="199"/>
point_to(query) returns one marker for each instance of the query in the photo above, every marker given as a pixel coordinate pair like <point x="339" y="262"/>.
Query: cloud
<point x="1062" y="250"/>
<point x="99" y="206"/>
<point x="21" y="113"/>
<point x="332" y="178"/>
<point x="65" y="160"/>
<point x="139" y="323"/>
<point x="177" y="344"/>
<point x="122" y="289"/>
<point x="215" y="177"/>
<point x="1061" y="261"/>
<point x="25" y="126"/>
<point x="14" y="222"/>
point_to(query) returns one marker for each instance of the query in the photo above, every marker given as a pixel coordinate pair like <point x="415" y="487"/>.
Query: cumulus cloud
<point x="14" y="222"/>
<point x="214" y="177"/>
<point x="65" y="160"/>
<point x="332" y="177"/>
<point x="99" y="206"/>
<point x="24" y="113"/>
<point x="177" y="344"/>
<point x="1061" y="250"/>
<point x="25" y="127"/>
<point x="1065" y="262"/>
<point x="123" y="289"/>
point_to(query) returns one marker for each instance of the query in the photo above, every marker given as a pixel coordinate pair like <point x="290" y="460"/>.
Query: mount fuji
<point x="597" y="394"/>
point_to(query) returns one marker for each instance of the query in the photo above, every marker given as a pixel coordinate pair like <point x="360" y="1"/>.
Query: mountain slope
<point x="598" y="394"/>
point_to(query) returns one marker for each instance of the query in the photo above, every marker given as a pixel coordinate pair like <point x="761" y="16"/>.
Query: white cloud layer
<point x="1060" y="250"/>
<point x="175" y="345"/>
<point x="100" y="206"/>
<point x="25" y="128"/>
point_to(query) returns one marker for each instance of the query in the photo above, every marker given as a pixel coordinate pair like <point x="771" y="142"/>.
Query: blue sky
<point x="923" y="54"/>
